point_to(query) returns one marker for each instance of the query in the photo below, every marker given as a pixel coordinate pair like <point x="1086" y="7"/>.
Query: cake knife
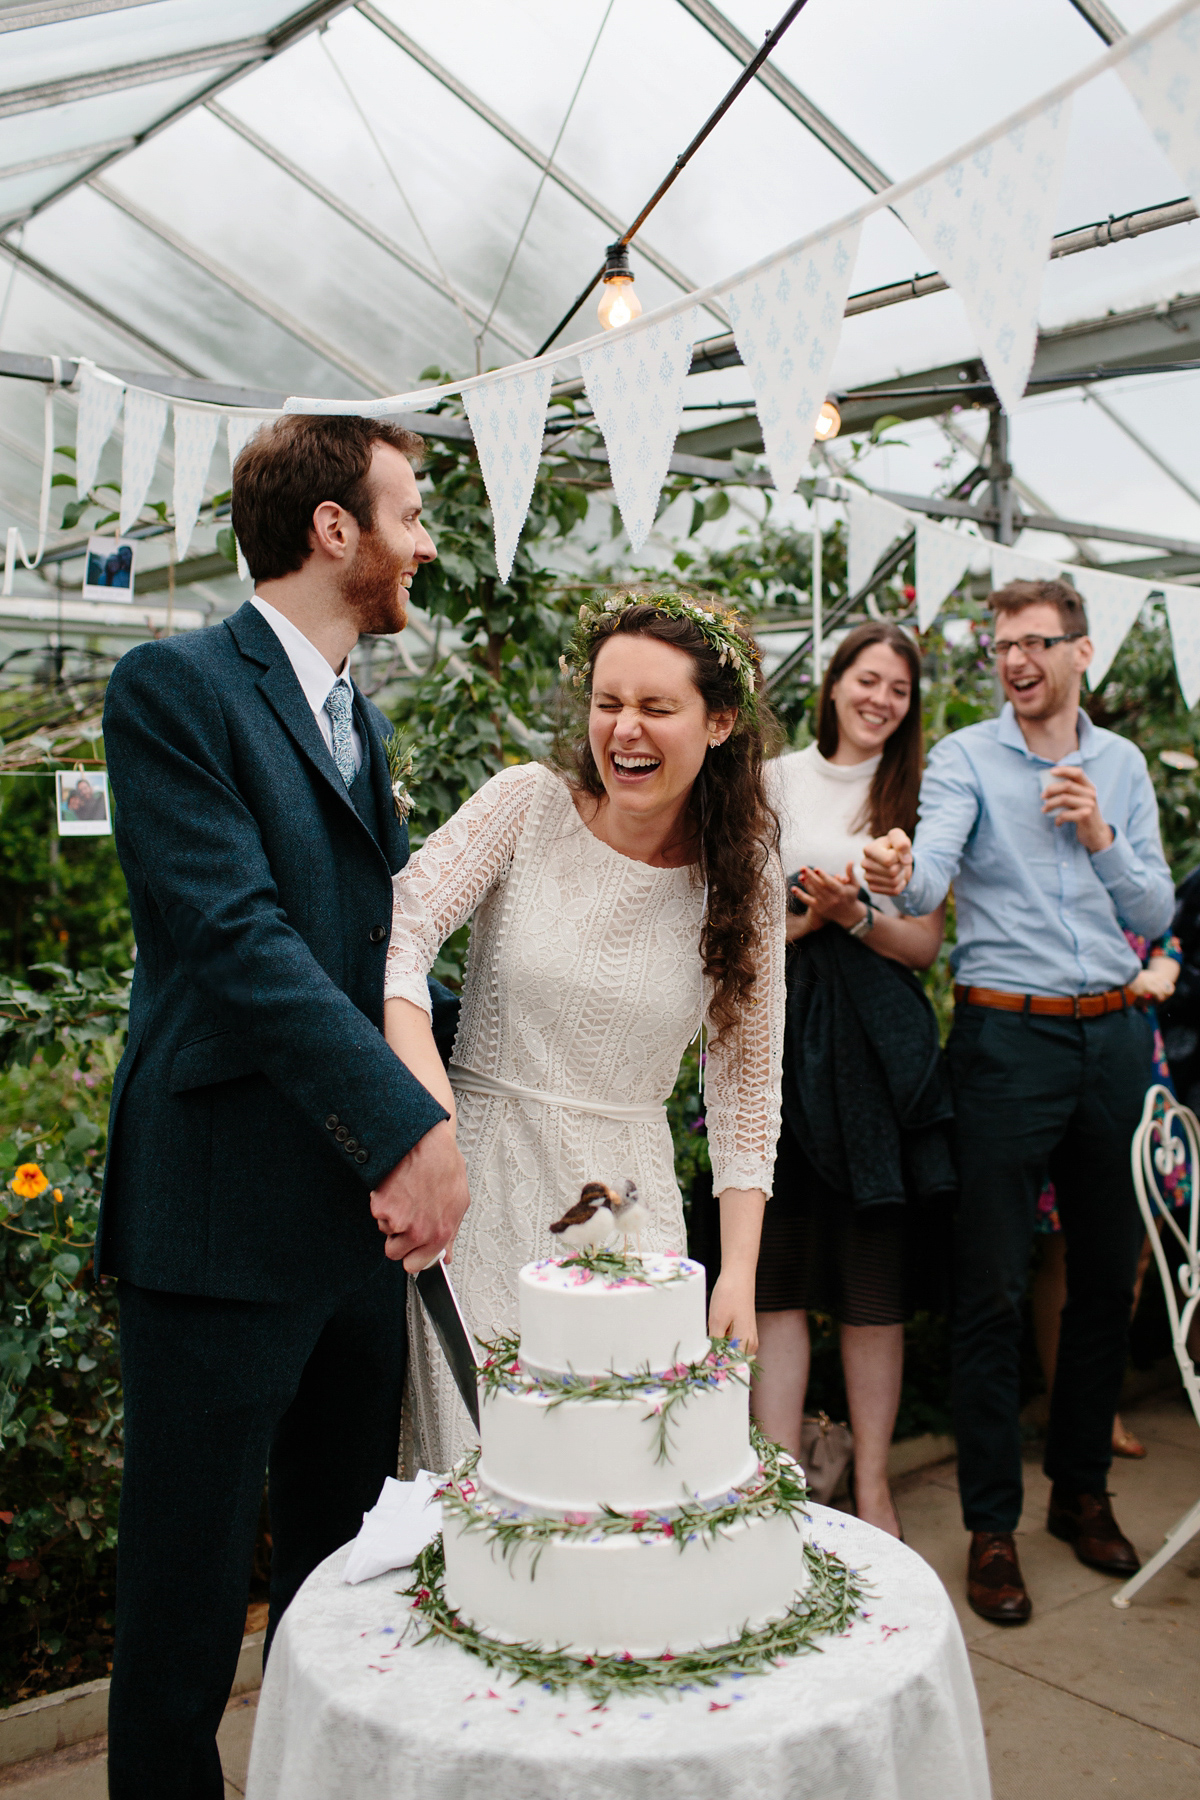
<point x="445" y="1315"/>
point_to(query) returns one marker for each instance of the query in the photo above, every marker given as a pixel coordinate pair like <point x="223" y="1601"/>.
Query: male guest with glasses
<point x="1048" y="828"/>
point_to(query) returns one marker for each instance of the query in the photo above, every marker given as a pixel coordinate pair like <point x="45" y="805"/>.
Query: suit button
<point x="331" y="1122"/>
<point x="351" y="1146"/>
<point x="378" y="933"/>
<point x="360" y="1156"/>
<point x="341" y="1134"/>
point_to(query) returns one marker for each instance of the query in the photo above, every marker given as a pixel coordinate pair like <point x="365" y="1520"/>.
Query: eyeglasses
<point x="1029" y="646"/>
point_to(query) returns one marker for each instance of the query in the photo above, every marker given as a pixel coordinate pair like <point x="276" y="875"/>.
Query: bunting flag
<point x="1012" y="565"/>
<point x="145" y="422"/>
<point x="1183" y="616"/>
<point x="100" y="398"/>
<point x="1113" y="603"/>
<point x="195" y="441"/>
<point x="240" y="429"/>
<point x="874" y="524"/>
<point x="943" y="557"/>
<point x="635" y="384"/>
<point x="508" y="419"/>
<point x="788" y="323"/>
<point x="1163" y="76"/>
<point x="986" y="224"/>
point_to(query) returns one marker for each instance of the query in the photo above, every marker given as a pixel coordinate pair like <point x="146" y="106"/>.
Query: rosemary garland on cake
<point x="777" y="1486"/>
<point x="665" y="1391"/>
<point x="833" y="1599"/>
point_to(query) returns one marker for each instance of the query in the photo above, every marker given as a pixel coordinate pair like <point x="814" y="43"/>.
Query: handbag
<point x="826" y="1454"/>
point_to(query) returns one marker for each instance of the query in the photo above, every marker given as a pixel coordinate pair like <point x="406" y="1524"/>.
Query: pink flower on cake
<point x="577" y="1518"/>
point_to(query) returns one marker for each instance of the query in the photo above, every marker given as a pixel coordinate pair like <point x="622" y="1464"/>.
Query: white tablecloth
<point x="887" y="1712"/>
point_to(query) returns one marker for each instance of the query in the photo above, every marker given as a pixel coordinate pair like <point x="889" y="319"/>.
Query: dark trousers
<point x="1036" y="1095"/>
<point x="219" y="1394"/>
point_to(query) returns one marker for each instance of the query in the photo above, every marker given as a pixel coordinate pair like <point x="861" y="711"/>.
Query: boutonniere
<point x="399" y="754"/>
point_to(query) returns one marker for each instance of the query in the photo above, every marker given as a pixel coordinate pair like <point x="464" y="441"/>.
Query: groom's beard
<point x="371" y="587"/>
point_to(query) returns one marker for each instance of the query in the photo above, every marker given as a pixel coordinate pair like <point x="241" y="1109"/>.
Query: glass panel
<point x="469" y="188"/>
<point x="955" y="77"/>
<point x="206" y="326"/>
<point x="299" y="254"/>
<point x="17" y="192"/>
<point x="759" y="169"/>
<point x="78" y="123"/>
<point x="136" y="34"/>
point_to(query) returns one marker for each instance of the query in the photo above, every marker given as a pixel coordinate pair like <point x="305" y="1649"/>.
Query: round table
<point x="887" y="1712"/>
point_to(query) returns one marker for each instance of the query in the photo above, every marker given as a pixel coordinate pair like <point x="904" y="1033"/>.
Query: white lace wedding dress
<point x="584" y="987"/>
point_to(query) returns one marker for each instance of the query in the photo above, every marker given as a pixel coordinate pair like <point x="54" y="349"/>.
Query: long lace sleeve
<point x="744" y="1073"/>
<point x="443" y="883"/>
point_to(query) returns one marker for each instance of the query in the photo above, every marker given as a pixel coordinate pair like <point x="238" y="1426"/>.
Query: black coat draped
<point x="865" y="1089"/>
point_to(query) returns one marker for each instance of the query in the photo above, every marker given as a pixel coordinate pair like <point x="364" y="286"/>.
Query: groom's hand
<point x="421" y="1203"/>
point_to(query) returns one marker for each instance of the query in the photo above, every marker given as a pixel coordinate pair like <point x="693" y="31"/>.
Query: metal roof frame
<point x="339" y="359"/>
<point x="511" y="135"/>
<point x="297" y="26"/>
<point x="789" y="95"/>
<point x="242" y="52"/>
<point x="379" y="238"/>
<point x="58" y="284"/>
<point x="42" y="12"/>
<point x="1103" y="22"/>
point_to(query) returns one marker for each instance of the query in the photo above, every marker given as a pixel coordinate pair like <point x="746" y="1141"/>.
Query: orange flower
<point x="58" y="1196"/>
<point x="29" y="1181"/>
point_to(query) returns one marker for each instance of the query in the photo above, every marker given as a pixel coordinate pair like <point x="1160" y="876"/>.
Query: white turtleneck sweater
<point x="820" y="805"/>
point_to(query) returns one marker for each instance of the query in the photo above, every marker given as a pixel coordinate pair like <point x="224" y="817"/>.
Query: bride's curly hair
<point x="735" y="829"/>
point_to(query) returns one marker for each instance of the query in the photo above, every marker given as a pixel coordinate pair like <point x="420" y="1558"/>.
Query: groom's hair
<point x="289" y="468"/>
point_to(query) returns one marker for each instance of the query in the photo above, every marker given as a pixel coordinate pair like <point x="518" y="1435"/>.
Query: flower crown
<point x="717" y="625"/>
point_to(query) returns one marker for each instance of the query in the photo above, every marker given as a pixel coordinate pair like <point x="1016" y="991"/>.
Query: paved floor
<point x="1082" y="1701"/>
<point x="1086" y="1700"/>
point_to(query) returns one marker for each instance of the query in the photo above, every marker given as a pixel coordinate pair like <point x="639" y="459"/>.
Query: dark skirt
<point x="820" y="1254"/>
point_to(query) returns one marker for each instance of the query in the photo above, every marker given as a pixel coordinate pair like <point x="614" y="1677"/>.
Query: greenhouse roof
<point x="333" y="199"/>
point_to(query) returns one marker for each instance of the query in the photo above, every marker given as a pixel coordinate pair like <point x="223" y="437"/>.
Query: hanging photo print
<point x="83" y="806"/>
<point x="108" y="574"/>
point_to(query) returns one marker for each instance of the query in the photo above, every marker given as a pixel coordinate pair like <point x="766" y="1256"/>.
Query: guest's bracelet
<point x="865" y="924"/>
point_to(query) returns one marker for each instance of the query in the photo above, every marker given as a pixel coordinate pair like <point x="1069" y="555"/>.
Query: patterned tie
<point x="340" y="707"/>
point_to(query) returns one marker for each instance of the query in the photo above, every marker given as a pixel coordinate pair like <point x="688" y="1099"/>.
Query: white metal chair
<point x="1166" y="1145"/>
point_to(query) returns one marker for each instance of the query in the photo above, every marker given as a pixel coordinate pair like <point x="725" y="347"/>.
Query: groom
<point x="258" y="1116"/>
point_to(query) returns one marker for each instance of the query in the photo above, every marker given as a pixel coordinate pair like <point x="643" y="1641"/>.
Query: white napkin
<point x="395" y="1531"/>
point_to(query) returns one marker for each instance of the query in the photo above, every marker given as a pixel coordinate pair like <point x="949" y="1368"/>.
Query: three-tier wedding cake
<point x="618" y="1504"/>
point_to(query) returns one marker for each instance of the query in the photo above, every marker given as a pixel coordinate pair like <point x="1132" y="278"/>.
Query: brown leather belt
<point x="1065" y="1006"/>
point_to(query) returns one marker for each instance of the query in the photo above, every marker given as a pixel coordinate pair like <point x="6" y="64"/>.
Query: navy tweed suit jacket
<point x="257" y="1102"/>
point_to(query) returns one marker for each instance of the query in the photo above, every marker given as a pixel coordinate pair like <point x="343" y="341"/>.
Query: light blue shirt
<point x="1037" y="913"/>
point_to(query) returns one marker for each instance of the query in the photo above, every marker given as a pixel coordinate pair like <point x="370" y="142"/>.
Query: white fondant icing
<point x="644" y="1593"/>
<point x="585" y="1454"/>
<point x="574" y="1320"/>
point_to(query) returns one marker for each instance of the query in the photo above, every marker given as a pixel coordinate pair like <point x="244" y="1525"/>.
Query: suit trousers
<point x="219" y="1394"/>
<point x="1035" y="1095"/>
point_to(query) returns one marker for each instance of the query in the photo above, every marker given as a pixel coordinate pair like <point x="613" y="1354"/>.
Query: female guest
<point x="865" y="1103"/>
<point x="618" y="900"/>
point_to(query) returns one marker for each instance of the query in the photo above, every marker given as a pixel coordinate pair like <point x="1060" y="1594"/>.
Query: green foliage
<point x="494" y="701"/>
<point x="60" y="898"/>
<point x="1140" y="698"/>
<point x="60" y="1396"/>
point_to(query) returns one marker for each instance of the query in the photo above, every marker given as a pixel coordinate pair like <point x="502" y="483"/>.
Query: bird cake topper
<point x="601" y="1214"/>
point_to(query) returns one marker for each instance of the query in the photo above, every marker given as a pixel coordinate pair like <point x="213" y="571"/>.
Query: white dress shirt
<point x="312" y="672"/>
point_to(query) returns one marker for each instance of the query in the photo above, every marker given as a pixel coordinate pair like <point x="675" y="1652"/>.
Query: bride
<point x="618" y="902"/>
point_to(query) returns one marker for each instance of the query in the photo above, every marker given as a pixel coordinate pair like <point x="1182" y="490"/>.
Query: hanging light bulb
<point x="829" y="422"/>
<point x="618" y="303"/>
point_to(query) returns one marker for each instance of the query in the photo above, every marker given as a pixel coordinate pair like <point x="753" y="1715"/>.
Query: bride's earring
<point x="714" y="743"/>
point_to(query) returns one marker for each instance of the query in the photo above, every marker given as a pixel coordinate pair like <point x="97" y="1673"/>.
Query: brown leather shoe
<point x="995" y="1585"/>
<point x="1086" y="1522"/>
